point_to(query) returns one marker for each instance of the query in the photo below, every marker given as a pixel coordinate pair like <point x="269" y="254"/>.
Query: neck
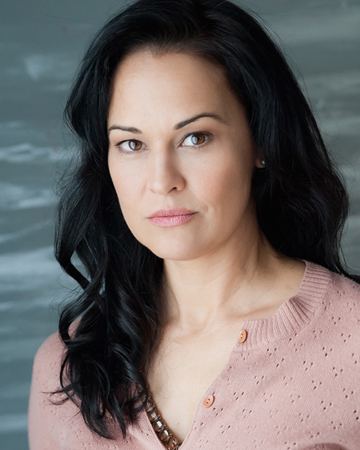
<point x="203" y="294"/>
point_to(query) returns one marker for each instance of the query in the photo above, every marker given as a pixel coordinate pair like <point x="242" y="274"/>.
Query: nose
<point x="164" y="173"/>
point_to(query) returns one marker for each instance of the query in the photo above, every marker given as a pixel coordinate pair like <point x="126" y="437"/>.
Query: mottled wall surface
<point x="40" y="48"/>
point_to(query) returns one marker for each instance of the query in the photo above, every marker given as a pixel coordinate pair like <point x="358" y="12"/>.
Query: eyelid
<point x="207" y="134"/>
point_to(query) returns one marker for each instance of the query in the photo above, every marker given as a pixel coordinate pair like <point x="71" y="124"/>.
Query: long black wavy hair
<point x="301" y="201"/>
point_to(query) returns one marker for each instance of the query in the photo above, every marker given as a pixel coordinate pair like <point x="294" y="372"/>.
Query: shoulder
<point x="49" y="356"/>
<point x="44" y="380"/>
<point x="340" y="316"/>
<point x="343" y="292"/>
<point x="47" y="361"/>
<point x="50" y="345"/>
<point x="46" y="419"/>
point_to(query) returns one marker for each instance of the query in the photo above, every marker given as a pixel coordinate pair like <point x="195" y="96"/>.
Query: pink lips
<point x="171" y="212"/>
<point x="171" y="221"/>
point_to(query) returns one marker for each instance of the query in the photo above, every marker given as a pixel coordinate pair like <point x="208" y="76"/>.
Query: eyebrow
<point x="179" y="125"/>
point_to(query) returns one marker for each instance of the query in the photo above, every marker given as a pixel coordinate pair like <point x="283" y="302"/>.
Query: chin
<point x="174" y="252"/>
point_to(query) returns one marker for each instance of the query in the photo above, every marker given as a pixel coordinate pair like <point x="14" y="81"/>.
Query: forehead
<point x="170" y="80"/>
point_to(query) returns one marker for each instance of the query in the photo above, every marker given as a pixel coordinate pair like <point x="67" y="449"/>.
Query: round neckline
<point x="293" y="314"/>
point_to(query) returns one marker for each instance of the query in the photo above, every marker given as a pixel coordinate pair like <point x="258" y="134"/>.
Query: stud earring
<point x="262" y="162"/>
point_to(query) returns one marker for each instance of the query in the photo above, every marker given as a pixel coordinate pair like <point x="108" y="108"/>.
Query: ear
<point x="258" y="160"/>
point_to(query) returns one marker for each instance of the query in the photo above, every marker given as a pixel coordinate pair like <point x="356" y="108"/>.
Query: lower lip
<point x="171" y="221"/>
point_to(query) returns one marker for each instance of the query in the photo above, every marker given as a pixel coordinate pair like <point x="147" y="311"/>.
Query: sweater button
<point x="208" y="401"/>
<point x="243" y="336"/>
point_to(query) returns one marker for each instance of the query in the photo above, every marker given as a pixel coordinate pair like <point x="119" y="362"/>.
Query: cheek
<point x="125" y="185"/>
<point x="226" y="184"/>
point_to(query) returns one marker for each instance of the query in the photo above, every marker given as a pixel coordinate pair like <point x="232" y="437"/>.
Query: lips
<point x="172" y="212"/>
<point x="172" y="221"/>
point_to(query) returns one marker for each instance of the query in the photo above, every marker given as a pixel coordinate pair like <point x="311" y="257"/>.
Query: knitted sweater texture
<point x="292" y="382"/>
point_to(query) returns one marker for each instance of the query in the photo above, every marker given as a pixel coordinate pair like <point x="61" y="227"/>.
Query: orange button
<point x="243" y="336"/>
<point x="208" y="401"/>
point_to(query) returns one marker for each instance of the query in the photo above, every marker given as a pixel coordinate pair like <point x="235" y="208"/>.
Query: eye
<point x="199" y="133"/>
<point x="134" y="149"/>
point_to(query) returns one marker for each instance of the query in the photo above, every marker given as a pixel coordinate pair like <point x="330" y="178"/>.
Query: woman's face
<point x="204" y="166"/>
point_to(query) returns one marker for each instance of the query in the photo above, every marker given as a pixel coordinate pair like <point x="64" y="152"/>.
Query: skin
<point x="219" y="267"/>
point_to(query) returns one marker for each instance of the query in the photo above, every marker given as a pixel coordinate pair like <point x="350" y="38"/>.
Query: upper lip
<point x="171" y="212"/>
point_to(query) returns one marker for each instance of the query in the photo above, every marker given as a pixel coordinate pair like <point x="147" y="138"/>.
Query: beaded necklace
<point x="164" y="433"/>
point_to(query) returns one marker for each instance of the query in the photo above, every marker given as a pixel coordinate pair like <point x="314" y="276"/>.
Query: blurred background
<point x="41" y="45"/>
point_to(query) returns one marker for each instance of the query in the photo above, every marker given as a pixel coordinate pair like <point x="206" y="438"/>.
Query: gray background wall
<point x="40" y="48"/>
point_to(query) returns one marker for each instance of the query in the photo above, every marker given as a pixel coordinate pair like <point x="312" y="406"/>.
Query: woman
<point x="207" y="215"/>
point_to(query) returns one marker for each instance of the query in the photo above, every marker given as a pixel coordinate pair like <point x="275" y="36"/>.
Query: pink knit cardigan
<point x="292" y="381"/>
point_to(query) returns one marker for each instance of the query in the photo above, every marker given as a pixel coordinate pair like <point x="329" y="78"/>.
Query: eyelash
<point x="201" y="133"/>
